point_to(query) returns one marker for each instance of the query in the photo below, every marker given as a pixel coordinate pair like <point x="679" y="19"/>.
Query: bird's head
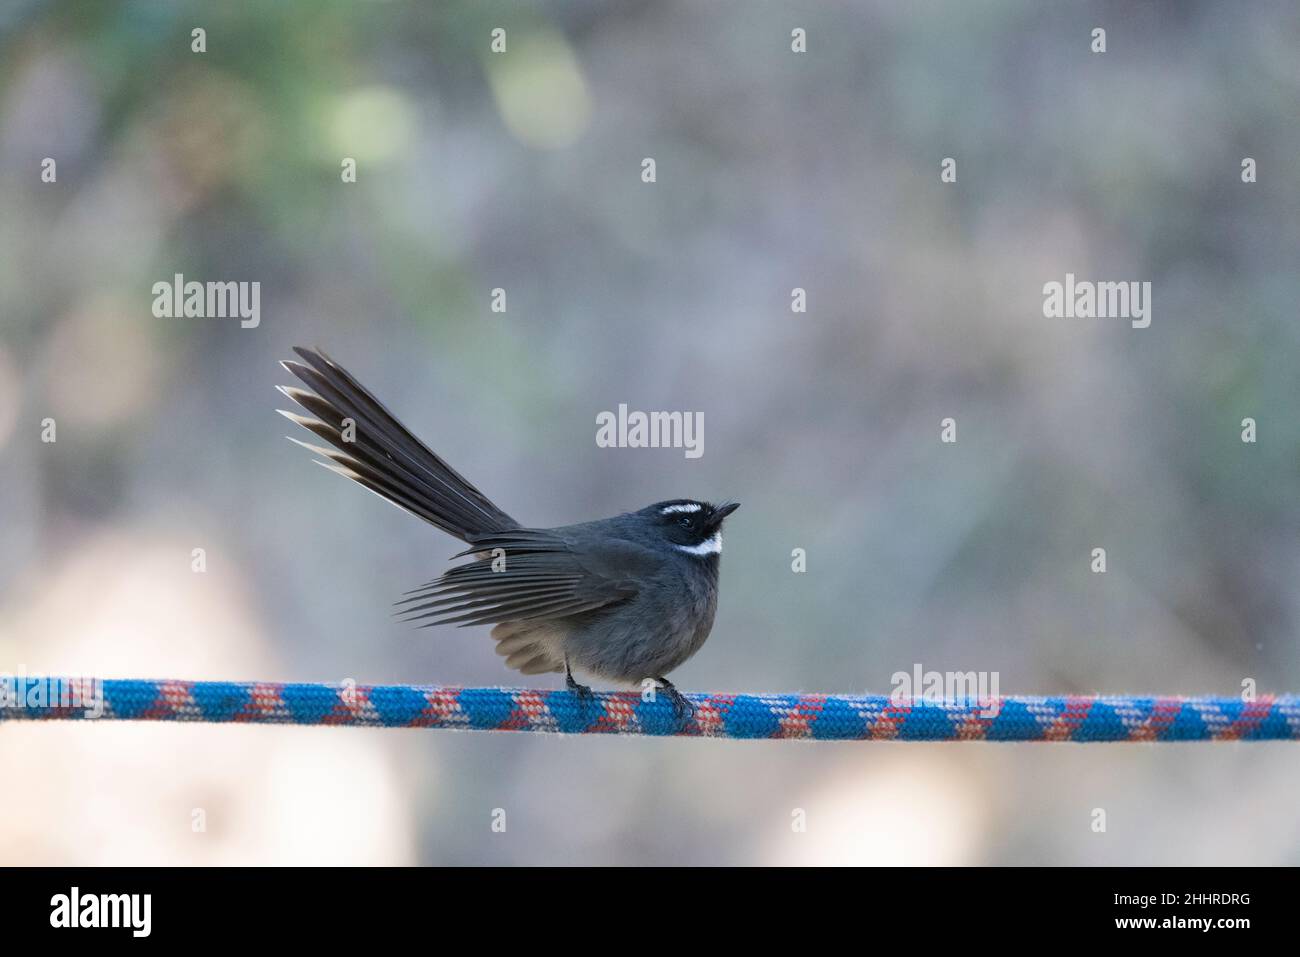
<point x="692" y="527"/>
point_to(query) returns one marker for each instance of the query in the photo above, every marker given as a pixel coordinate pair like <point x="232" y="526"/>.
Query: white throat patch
<point x="710" y="546"/>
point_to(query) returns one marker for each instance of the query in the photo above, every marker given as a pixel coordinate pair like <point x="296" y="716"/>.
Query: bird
<point x="627" y="599"/>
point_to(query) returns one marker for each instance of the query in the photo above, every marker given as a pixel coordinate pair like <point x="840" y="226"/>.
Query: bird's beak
<point x="722" y="511"/>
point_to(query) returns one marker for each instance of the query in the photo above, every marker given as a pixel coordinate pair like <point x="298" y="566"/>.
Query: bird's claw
<point x="584" y="692"/>
<point x="683" y="707"/>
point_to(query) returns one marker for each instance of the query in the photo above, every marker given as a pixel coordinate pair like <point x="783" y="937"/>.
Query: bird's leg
<point x="682" y="707"/>
<point x="583" y="692"/>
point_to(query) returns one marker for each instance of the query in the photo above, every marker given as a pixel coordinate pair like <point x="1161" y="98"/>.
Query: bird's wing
<point x="527" y="574"/>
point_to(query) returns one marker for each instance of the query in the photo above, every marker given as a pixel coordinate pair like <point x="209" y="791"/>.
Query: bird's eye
<point x="686" y="522"/>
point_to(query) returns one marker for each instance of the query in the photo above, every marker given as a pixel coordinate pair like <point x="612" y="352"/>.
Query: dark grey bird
<point x="624" y="598"/>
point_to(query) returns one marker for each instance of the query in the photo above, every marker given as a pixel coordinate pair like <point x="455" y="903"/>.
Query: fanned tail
<point x="382" y="454"/>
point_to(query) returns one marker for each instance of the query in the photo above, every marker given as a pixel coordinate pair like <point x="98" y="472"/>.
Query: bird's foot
<point x="584" y="692"/>
<point x="682" y="706"/>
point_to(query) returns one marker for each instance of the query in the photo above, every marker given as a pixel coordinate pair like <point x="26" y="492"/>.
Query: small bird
<point x="625" y="599"/>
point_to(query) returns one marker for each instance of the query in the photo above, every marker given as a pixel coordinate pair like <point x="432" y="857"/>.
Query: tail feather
<point x="363" y="474"/>
<point x="382" y="454"/>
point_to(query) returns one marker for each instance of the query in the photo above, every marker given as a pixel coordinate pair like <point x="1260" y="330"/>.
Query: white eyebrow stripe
<point x="710" y="546"/>
<point x="671" y="509"/>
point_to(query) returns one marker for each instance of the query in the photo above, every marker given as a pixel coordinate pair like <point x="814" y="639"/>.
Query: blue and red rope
<point x="810" y="716"/>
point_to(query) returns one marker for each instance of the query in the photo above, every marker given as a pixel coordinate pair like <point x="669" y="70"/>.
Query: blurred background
<point x="775" y="170"/>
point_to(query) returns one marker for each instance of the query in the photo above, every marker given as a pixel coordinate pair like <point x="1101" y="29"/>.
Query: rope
<point x="815" y="716"/>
